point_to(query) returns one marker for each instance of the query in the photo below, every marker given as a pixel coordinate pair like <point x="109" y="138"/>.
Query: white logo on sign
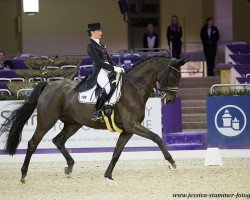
<point x="233" y="123"/>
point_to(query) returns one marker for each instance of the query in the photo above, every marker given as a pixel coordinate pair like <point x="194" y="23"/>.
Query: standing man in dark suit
<point x="103" y="66"/>
<point x="150" y="38"/>
<point x="209" y="36"/>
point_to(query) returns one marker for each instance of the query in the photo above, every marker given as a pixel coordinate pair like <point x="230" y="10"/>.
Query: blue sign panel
<point x="228" y="121"/>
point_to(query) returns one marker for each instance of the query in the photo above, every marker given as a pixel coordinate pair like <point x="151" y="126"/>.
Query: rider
<point x="102" y="67"/>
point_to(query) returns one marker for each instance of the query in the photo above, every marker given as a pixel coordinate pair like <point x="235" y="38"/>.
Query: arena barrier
<point x="228" y="122"/>
<point x="86" y="140"/>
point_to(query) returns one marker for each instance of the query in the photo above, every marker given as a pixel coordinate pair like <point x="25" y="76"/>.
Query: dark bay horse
<point x="58" y="100"/>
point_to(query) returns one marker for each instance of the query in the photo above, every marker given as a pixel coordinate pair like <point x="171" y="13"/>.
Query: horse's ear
<point x="182" y="61"/>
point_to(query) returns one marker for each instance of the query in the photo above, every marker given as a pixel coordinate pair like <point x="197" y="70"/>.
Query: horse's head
<point x="168" y="80"/>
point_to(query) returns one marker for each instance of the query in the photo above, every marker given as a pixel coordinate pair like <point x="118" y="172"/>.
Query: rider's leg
<point x="103" y="81"/>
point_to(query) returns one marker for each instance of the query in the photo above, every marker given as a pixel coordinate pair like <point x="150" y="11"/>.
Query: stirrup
<point x="96" y="115"/>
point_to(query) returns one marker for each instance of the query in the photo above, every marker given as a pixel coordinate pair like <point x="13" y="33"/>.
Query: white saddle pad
<point x="89" y="95"/>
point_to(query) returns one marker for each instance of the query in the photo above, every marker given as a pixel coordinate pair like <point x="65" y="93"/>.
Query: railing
<point x="243" y="86"/>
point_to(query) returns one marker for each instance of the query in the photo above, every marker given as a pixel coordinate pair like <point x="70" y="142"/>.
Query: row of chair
<point x="239" y="55"/>
<point x="25" y="91"/>
<point x="60" y="67"/>
<point x="30" y="79"/>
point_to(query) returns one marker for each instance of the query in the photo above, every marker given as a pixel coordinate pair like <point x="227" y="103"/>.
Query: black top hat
<point x="94" y="26"/>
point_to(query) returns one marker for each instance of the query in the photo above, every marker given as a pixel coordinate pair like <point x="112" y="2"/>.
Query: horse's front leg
<point x="138" y="129"/>
<point x="122" y="141"/>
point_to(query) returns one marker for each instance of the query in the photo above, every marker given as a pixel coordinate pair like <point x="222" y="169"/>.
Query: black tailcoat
<point x="145" y="40"/>
<point x="101" y="58"/>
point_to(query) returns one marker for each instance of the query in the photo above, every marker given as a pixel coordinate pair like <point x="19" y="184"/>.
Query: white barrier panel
<point x="86" y="140"/>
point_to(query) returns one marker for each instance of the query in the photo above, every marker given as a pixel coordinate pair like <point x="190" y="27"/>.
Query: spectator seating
<point x="52" y="67"/>
<point x="25" y="91"/>
<point x="243" y="80"/>
<point x="68" y="66"/>
<point x="4" y="89"/>
<point x="237" y="66"/>
<point x="8" y="74"/>
<point x="240" y="58"/>
<point x="38" y="69"/>
<point x="5" y="80"/>
<point x="55" y="78"/>
<point x="18" y="64"/>
<point x="37" y="79"/>
<point x="17" y="79"/>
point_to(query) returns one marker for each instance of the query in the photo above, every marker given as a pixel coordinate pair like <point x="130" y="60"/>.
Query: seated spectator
<point x="3" y="63"/>
<point x="150" y="38"/>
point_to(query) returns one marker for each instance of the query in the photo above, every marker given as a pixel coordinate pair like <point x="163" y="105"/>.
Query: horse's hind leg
<point x="32" y="146"/>
<point x="60" y="140"/>
<point x="122" y="141"/>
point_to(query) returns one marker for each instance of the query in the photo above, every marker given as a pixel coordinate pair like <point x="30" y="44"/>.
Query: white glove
<point x="118" y="69"/>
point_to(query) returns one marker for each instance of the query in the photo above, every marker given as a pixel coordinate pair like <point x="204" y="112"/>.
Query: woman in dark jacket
<point x="174" y="34"/>
<point x="103" y="66"/>
<point x="209" y="36"/>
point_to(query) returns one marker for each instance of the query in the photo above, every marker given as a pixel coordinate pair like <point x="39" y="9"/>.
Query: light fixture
<point x="30" y="7"/>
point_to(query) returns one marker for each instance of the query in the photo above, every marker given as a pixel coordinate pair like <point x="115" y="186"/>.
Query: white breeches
<point x="103" y="80"/>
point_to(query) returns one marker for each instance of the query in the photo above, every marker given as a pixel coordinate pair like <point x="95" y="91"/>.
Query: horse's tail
<point x="14" y="124"/>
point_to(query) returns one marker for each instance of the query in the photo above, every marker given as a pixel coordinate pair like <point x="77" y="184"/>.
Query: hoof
<point x="22" y="180"/>
<point x="109" y="177"/>
<point x="111" y="182"/>
<point x="174" y="166"/>
<point x="67" y="171"/>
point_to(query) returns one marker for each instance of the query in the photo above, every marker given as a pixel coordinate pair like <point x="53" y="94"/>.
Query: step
<point x="196" y="84"/>
<point x="200" y="79"/>
<point x="200" y="117"/>
<point x="194" y="125"/>
<point x="183" y="91"/>
<point x="193" y="110"/>
<point x="194" y="96"/>
<point x="184" y="131"/>
<point x="194" y="103"/>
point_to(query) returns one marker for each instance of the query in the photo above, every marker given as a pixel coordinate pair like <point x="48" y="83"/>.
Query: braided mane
<point x="145" y="60"/>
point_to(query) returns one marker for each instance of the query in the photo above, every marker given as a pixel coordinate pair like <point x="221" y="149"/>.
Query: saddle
<point x="90" y="96"/>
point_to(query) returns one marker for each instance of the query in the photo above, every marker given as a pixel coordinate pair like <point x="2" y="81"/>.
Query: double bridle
<point x="163" y="94"/>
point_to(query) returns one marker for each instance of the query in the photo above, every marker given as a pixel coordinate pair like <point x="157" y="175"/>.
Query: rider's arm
<point x="111" y="61"/>
<point x="97" y="60"/>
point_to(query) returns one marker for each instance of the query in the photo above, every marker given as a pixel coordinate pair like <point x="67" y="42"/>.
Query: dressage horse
<point x="58" y="100"/>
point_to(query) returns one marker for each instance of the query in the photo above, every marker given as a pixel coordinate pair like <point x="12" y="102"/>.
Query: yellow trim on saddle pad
<point x="108" y="125"/>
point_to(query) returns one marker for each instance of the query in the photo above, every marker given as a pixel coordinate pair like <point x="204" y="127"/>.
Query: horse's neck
<point x="145" y="73"/>
<point x="145" y="78"/>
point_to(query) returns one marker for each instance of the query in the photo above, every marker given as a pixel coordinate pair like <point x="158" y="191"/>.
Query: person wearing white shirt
<point x="150" y="38"/>
<point x="103" y="66"/>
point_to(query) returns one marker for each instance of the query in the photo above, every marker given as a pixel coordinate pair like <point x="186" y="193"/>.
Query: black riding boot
<point x="103" y="97"/>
